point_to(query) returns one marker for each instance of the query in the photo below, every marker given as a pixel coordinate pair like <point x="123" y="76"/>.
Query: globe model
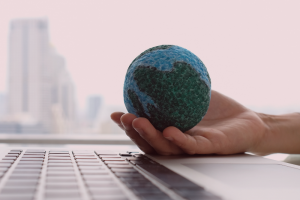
<point x="168" y="85"/>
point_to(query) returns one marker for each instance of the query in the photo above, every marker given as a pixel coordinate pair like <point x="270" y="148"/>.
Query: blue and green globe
<point x="168" y="85"/>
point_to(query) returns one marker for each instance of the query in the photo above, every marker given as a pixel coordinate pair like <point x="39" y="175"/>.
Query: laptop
<point x="108" y="172"/>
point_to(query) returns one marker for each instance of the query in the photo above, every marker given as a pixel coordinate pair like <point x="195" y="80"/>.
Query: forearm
<point x="282" y="134"/>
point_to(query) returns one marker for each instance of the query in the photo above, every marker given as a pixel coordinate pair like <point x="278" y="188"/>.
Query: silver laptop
<point x="108" y="173"/>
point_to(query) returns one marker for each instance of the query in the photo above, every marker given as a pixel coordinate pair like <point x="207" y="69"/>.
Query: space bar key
<point x="167" y="177"/>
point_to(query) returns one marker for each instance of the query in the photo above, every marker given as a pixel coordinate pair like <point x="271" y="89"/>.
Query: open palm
<point x="227" y="128"/>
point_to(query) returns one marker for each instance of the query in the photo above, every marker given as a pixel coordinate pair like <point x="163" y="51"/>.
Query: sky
<point x="250" y="48"/>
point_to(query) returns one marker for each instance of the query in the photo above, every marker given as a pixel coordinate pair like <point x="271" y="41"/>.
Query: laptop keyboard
<point x="83" y="174"/>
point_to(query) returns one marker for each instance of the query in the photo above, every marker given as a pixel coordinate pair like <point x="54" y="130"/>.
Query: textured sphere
<point x="168" y="85"/>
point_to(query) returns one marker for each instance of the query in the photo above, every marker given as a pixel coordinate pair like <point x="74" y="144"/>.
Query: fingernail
<point x="169" y="138"/>
<point x="124" y="125"/>
<point x="140" y="131"/>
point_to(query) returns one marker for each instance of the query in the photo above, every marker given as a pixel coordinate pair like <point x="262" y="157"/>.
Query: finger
<point x="189" y="144"/>
<point x="155" y="137"/>
<point x="116" y="117"/>
<point x="126" y="120"/>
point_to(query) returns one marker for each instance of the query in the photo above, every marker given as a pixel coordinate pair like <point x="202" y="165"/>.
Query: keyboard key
<point x="13" y="190"/>
<point x="32" y="159"/>
<point x="59" y="161"/>
<point x="12" y="155"/>
<point x="59" y="158"/>
<point x="60" y="169"/>
<point x="9" y="158"/>
<point x="131" y="175"/>
<point x="28" y="166"/>
<point x="3" y="169"/>
<point x="83" y="154"/>
<point x="26" y="172"/>
<point x="105" y="191"/>
<point x="2" y="174"/>
<point x="7" y="161"/>
<point x="94" y="172"/>
<point x="5" y="165"/>
<point x="16" y="187"/>
<point x="109" y="197"/>
<point x="59" y="155"/>
<point x="58" y="152"/>
<point x="85" y="157"/>
<point x="62" y="193"/>
<point x="97" y="177"/>
<point x="155" y="197"/>
<point x="103" y="183"/>
<point x="62" y="198"/>
<point x="123" y="170"/>
<point x="89" y="164"/>
<point x="25" y="176"/>
<point x="148" y="190"/>
<point x="62" y="186"/>
<point x="33" y="156"/>
<point x="61" y="179"/>
<point x="120" y="166"/>
<point x="60" y="174"/>
<point x="139" y="185"/>
<point x="109" y="156"/>
<point x="30" y="163"/>
<point x="50" y="165"/>
<point x="21" y="182"/>
<point x="117" y="162"/>
<point x="16" y="196"/>
<point x="141" y="180"/>
<point x="90" y="167"/>
<point x="112" y="159"/>
<point x="38" y="154"/>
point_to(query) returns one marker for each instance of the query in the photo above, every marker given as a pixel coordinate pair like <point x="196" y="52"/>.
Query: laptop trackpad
<point x="259" y="176"/>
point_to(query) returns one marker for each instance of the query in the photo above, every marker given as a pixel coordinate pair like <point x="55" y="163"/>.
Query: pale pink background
<point x="251" y="48"/>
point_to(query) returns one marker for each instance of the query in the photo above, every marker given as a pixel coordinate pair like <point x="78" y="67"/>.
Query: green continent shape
<point x="180" y="95"/>
<point x="160" y="47"/>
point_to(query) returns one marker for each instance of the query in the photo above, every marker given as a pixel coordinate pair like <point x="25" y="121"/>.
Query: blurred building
<point x="104" y="124"/>
<point x="2" y="105"/>
<point x="93" y="107"/>
<point x="39" y="84"/>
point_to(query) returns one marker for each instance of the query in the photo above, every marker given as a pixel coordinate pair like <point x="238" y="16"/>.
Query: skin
<point x="227" y="128"/>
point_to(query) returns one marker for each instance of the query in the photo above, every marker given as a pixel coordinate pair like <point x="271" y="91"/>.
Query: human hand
<point x="227" y="128"/>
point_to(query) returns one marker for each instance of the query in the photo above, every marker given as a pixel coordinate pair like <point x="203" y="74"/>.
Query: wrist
<point x="282" y="133"/>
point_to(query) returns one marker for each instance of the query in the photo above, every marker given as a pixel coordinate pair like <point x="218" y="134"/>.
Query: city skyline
<point x="99" y="39"/>
<point x="40" y="87"/>
<point x="250" y="58"/>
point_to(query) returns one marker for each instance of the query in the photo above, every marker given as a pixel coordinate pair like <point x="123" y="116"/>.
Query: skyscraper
<point x="2" y="105"/>
<point x="93" y="107"/>
<point x="38" y="80"/>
